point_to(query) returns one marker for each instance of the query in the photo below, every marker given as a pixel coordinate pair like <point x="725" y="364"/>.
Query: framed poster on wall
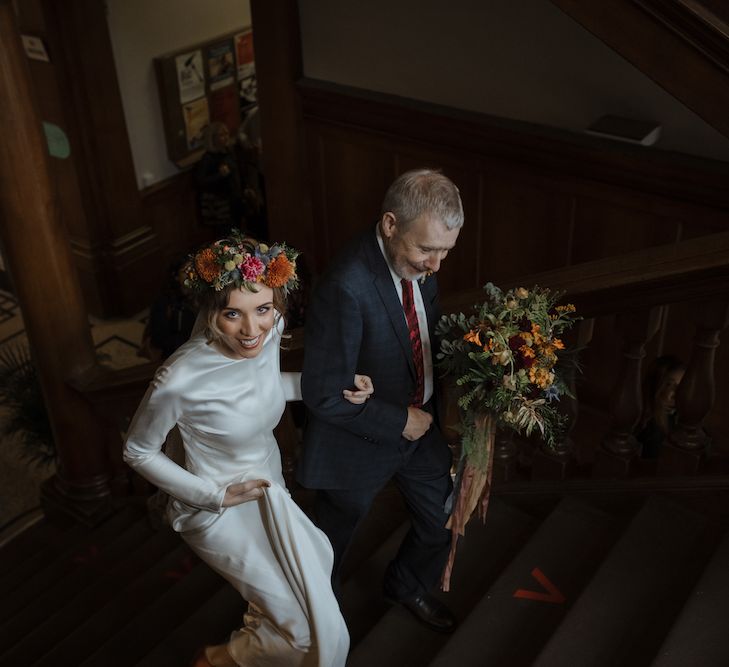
<point x="211" y="81"/>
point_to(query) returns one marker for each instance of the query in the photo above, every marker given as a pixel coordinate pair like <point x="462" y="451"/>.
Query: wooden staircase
<point x="589" y="582"/>
<point x="583" y="561"/>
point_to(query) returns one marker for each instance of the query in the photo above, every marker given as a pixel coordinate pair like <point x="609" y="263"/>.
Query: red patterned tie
<point x="416" y="344"/>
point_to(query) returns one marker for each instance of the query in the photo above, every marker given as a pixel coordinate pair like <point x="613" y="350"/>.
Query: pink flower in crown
<point x="251" y="269"/>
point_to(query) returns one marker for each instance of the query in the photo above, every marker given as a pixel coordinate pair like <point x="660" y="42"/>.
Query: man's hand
<point x="417" y="425"/>
<point x="243" y="492"/>
<point x="364" y="389"/>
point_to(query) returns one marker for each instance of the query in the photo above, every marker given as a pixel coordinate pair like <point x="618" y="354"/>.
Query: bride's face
<point x="245" y="321"/>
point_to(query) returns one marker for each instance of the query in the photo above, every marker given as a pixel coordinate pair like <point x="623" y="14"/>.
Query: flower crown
<point x="239" y="261"/>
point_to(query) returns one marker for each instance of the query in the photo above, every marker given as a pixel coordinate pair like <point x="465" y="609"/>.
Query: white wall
<point x="520" y="59"/>
<point x="140" y="31"/>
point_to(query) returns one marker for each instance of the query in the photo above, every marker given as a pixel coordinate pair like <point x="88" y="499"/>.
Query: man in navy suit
<point x="374" y="313"/>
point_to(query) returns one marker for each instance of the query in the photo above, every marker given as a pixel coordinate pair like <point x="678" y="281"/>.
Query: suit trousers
<point x="423" y="478"/>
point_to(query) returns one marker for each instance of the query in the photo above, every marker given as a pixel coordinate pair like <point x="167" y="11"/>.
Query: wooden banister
<point x="695" y="268"/>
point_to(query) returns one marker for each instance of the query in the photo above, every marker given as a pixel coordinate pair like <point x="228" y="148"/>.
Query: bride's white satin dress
<point x="268" y="549"/>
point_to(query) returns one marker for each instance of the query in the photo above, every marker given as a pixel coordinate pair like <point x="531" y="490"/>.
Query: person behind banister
<point x="660" y="385"/>
<point x="225" y="392"/>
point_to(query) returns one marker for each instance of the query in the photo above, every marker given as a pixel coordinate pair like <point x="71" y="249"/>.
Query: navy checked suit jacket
<point x="355" y="324"/>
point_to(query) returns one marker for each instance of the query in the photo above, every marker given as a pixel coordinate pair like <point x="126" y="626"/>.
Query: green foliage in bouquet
<point x="506" y="358"/>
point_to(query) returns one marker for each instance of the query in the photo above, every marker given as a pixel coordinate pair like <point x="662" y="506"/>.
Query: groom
<point x="374" y="313"/>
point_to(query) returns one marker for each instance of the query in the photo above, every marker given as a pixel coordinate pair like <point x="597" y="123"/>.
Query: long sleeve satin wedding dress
<point x="267" y="549"/>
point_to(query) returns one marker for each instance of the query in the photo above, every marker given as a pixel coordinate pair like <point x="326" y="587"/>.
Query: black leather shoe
<point x="429" y="611"/>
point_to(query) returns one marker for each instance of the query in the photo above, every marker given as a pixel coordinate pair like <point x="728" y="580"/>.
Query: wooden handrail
<point x="693" y="269"/>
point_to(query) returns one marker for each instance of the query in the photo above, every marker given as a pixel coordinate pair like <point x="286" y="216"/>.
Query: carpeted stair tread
<point x="699" y="635"/>
<point x="40" y="638"/>
<point x="83" y="638"/>
<point x="38" y="549"/>
<point x="362" y="603"/>
<point x="35" y="537"/>
<point x="504" y="629"/>
<point x="94" y="568"/>
<point x="211" y="622"/>
<point x="399" y="639"/>
<point x="157" y="619"/>
<point x="67" y="565"/>
<point x="628" y="605"/>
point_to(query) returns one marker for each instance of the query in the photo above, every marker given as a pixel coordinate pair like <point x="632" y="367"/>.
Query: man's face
<point x="420" y="248"/>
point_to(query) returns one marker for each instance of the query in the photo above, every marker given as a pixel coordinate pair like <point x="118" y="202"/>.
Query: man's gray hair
<point x="424" y="191"/>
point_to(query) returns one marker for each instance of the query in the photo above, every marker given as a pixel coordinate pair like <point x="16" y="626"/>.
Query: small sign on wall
<point x="57" y="141"/>
<point x="35" y="49"/>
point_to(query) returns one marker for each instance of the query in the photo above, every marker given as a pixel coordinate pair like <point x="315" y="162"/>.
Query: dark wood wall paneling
<point x="534" y="200"/>
<point x="170" y="209"/>
<point x="565" y="200"/>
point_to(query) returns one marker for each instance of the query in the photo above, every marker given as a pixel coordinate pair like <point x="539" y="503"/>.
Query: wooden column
<point x="619" y="446"/>
<point x="278" y="67"/>
<point x="39" y="258"/>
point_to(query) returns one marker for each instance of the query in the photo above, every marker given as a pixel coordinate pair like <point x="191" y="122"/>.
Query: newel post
<point x="619" y="446"/>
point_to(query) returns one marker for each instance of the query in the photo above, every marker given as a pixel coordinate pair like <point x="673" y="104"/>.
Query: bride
<point x="225" y="392"/>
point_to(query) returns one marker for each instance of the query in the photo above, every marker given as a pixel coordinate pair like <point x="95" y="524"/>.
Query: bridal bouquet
<point x="504" y="357"/>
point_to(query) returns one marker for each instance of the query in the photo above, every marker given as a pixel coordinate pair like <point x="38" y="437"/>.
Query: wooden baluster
<point x="287" y="434"/>
<point x="556" y="463"/>
<point x="686" y="445"/>
<point x="505" y="456"/>
<point x="450" y="418"/>
<point x="619" y="447"/>
<point x="287" y="437"/>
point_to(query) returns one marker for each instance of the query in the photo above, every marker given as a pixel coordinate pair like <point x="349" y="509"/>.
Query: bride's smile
<point x="244" y="322"/>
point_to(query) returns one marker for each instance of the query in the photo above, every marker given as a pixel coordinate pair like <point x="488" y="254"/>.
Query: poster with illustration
<point x="197" y="118"/>
<point x="190" y="76"/>
<point x="221" y="65"/>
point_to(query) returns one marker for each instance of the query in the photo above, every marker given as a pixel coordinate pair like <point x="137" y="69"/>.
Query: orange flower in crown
<point x="206" y="265"/>
<point x="280" y="271"/>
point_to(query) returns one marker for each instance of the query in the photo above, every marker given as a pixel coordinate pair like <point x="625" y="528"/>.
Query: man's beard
<point x="401" y="268"/>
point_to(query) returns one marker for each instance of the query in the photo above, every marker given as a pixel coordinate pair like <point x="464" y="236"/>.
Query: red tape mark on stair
<point x="89" y="554"/>
<point x="184" y="567"/>
<point x="553" y="593"/>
